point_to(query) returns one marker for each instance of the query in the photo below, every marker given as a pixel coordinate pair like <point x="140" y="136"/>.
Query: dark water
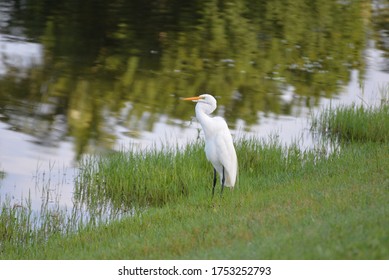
<point x="80" y="77"/>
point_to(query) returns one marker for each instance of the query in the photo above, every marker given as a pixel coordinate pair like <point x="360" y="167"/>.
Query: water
<point x="80" y="79"/>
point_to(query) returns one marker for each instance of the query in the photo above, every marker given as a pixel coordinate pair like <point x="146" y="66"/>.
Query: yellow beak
<point x="192" y="98"/>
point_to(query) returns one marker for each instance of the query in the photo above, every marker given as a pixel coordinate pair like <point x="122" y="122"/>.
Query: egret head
<point x="205" y="102"/>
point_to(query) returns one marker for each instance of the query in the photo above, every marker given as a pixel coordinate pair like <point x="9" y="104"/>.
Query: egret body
<point x="219" y="147"/>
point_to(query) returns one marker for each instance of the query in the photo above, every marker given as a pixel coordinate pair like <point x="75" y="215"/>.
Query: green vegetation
<point x="289" y="204"/>
<point x="2" y="174"/>
<point x="148" y="178"/>
<point x="357" y="124"/>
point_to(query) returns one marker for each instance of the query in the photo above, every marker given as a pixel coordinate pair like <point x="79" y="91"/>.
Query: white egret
<point x="219" y="147"/>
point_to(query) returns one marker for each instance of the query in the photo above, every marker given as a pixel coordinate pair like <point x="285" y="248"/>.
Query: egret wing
<point x="226" y="155"/>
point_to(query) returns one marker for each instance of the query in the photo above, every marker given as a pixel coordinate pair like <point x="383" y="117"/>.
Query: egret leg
<point x="214" y="182"/>
<point x="223" y="180"/>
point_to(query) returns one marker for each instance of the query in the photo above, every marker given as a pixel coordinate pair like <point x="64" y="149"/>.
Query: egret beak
<point x="196" y="98"/>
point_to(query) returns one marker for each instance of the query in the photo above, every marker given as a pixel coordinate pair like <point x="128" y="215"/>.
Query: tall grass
<point x="354" y="124"/>
<point x="22" y="227"/>
<point x="143" y="178"/>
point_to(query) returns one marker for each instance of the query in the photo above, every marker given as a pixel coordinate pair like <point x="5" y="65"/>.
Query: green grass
<point x="139" y="179"/>
<point x="355" y="123"/>
<point x="289" y="204"/>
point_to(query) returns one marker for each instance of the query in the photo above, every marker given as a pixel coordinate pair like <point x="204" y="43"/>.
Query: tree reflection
<point x="101" y="56"/>
<point x="381" y="29"/>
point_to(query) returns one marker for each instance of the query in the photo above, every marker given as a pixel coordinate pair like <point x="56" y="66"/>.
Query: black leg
<point x="223" y="180"/>
<point x="214" y="182"/>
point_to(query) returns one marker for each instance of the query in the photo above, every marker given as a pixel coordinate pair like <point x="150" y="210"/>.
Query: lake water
<point x="87" y="77"/>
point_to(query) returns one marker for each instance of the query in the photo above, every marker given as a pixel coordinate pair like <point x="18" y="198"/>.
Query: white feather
<point x="219" y="147"/>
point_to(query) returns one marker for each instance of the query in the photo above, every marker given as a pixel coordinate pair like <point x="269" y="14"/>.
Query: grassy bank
<point x="289" y="204"/>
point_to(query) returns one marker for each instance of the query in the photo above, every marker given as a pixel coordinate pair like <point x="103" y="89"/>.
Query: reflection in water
<point x="96" y="65"/>
<point x="98" y="75"/>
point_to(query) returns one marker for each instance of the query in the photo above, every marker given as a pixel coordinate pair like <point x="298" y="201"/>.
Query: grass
<point x="289" y="204"/>
<point x="355" y="123"/>
<point x="139" y="179"/>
